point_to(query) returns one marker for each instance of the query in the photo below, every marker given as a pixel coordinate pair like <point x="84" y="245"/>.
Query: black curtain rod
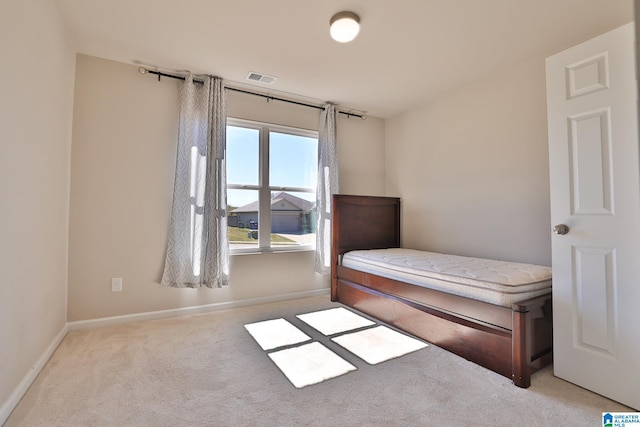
<point x="143" y="70"/>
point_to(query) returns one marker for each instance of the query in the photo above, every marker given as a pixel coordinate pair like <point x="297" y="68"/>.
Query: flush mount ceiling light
<point x="344" y="26"/>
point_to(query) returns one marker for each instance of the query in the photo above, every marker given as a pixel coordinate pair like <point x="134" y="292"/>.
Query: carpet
<point x="334" y="320"/>
<point x="206" y="370"/>
<point x="375" y="345"/>
<point x="271" y="334"/>
<point x="310" y="364"/>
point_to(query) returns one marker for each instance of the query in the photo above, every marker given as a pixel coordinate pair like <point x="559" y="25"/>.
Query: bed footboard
<point x="532" y="338"/>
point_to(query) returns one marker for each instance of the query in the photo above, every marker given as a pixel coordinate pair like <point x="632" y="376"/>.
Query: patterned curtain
<point x="327" y="186"/>
<point x="198" y="247"/>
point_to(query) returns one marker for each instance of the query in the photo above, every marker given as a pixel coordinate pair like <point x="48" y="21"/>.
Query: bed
<point x="510" y="335"/>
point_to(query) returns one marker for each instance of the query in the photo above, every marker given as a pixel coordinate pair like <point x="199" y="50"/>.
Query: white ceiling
<point x="407" y="52"/>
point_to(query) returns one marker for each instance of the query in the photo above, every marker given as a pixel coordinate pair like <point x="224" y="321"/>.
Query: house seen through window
<point x="271" y="186"/>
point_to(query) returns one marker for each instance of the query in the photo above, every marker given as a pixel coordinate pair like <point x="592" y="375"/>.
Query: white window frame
<point x="263" y="188"/>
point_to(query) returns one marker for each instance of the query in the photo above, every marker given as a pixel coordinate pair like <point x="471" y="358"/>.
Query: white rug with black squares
<point x="305" y="361"/>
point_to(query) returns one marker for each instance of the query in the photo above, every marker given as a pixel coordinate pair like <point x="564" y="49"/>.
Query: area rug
<point x="271" y="334"/>
<point x="310" y="364"/>
<point x="334" y="320"/>
<point x="375" y="345"/>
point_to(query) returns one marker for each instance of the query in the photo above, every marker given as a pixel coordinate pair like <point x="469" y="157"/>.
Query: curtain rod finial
<point x="142" y="70"/>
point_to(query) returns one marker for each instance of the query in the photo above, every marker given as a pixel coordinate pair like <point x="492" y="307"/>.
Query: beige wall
<point x="36" y="95"/>
<point x="472" y="169"/>
<point x="123" y="161"/>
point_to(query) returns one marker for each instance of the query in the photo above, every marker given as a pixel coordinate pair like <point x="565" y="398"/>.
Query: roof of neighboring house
<point x="296" y="203"/>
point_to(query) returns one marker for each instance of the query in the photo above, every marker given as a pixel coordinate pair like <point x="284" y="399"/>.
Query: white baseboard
<point x="8" y="406"/>
<point x="186" y="311"/>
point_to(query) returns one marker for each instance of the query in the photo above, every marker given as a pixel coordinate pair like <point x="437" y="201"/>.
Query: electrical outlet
<point x="116" y="284"/>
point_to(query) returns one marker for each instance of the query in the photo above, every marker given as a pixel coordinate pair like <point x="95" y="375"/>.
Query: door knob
<point x="561" y="229"/>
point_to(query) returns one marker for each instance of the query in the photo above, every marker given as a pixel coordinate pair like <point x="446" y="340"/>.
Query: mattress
<point x="496" y="282"/>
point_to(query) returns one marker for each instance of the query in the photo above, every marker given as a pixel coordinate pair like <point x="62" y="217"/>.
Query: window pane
<point x="290" y="180"/>
<point x="293" y="219"/>
<point x="293" y="161"/>
<point x="242" y="219"/>
<point x="242" y="155"/>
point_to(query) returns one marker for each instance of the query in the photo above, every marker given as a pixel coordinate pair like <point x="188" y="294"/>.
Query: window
<point x="271" y="186"/>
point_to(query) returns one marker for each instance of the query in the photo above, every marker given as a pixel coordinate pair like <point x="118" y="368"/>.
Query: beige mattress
<point x="496" y="282"/>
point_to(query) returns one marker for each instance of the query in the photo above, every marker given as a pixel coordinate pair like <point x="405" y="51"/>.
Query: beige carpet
<point x="206" y="370"/>
<point x="312" y="363"/>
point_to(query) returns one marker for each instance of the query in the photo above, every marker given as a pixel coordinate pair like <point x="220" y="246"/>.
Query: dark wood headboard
<point x="364" y="222"/>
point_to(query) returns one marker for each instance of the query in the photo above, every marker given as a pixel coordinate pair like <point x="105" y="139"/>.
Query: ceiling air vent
<point x="262" y="78"/>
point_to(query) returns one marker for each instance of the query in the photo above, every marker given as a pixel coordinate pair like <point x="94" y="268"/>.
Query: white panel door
<point x="595" y="192"/>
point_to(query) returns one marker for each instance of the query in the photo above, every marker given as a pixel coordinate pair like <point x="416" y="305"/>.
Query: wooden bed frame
<point x="514" y="342"/>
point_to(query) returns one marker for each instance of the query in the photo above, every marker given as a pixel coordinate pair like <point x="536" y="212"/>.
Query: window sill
<point x="261" y="251"/>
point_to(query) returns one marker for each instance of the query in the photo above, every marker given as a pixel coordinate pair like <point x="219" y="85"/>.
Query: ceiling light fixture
<point x="344" y="26"/>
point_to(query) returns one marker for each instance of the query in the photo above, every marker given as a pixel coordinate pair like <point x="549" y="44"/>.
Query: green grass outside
<point x="241" y="235"/>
